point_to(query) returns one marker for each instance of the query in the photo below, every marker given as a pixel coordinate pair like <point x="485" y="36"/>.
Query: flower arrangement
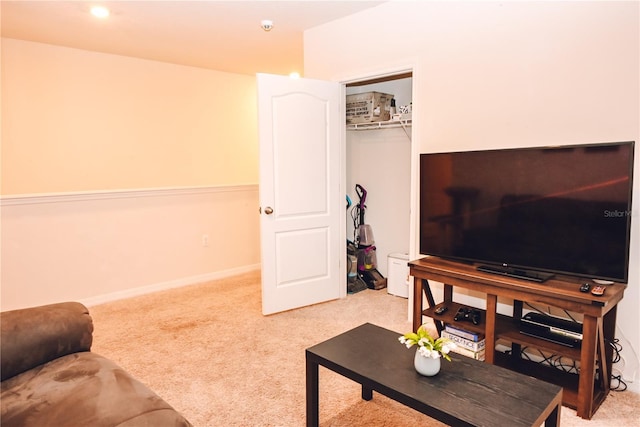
<point x="428" y="347"/>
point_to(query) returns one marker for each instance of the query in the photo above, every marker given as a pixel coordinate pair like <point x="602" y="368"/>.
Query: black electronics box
<point x="552" y="328"/>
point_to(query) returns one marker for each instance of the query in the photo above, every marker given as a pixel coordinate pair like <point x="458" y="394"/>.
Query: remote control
<point x="441" y="309"/>
<point x="585" y="287"/>
<point x="598" y="290"/>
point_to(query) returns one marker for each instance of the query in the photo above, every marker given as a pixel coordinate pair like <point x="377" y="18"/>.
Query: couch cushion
<point x="36" y="335"/>
<point x="82" y="389"/>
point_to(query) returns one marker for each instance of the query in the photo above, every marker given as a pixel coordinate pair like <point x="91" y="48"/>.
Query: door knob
<point x="268" y="210"/>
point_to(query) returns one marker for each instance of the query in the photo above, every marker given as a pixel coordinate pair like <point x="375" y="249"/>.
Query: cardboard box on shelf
<point x="368" y="107"/>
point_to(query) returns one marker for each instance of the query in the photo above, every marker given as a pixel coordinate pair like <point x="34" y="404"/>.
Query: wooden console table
<point x="584" y="391"/>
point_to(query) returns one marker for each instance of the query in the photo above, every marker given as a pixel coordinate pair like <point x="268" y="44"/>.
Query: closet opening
<point x="378" y="160"/>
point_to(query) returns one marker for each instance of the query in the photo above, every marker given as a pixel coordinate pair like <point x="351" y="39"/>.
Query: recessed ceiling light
<point x="266" y="24"/>
<point x="294" y="75"/>
<point x="100" y="11"/>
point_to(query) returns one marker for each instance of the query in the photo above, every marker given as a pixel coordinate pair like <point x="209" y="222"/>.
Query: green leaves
<point x="411" y="336"/>
<point x="422" y="338"/>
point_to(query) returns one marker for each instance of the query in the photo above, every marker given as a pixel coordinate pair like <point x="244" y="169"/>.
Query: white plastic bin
<point x="398" y="274"/>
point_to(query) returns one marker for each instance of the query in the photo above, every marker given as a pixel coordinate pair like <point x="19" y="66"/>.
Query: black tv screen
<point x="531" y="212"/>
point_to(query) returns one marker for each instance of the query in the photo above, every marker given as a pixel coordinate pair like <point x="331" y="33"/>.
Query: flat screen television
<point x="531" y="212"/>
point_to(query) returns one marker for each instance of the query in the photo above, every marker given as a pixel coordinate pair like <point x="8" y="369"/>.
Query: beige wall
<point x="75" y="120"/>
<point x="504" y="74"/>
<point x="122" y="176"/>
<point x="498" y="74"/>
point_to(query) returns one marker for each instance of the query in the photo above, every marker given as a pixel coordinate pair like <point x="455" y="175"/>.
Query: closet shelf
<point x="380" y="125"/>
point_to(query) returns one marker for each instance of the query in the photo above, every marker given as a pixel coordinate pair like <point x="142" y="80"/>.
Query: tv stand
<point x="519" y="273"/>
<point x="584" y="391"/>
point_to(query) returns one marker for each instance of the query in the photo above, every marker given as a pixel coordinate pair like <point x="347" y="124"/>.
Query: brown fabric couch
<point x="51" y="378"/>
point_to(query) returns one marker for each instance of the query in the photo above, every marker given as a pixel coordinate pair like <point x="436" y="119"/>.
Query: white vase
<point x="426" y="366"/>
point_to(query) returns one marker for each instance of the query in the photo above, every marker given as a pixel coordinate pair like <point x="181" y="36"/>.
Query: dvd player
<point x="552" y="328"/>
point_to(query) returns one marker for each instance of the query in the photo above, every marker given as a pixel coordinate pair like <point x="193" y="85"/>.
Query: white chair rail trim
<point x="81" y="196"/>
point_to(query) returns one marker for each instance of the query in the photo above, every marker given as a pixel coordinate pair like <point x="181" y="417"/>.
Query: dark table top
<point x="464" y="392"/>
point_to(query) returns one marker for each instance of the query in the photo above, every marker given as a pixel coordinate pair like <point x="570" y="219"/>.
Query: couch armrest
<point x="36" y="335"/>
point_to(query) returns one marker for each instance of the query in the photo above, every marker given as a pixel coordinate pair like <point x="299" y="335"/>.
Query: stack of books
<point x="469" y="343"/>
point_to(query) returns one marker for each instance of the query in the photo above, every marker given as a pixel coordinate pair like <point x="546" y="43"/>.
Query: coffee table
<point x="465" y="392"/>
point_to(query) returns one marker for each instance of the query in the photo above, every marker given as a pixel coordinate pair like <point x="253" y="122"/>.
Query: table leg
<point x="587" y="367"/>
<point x="313" y="413"/>
<point x="367" y="393"/>
<point x="490" y="328"/>
<point x="553" y="420"/>
<point x="604" y="377"/>
<point x="516" y="349"/>
<point x="417" y="303"/>
<point x="609" y="333"/>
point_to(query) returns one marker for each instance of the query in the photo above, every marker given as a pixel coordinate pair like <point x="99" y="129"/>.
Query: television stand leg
<point x="426" y="289"/>
<point x="516" y="349"/>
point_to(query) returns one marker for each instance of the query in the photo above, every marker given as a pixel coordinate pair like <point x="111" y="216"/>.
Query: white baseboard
<point x="185" y="281"/>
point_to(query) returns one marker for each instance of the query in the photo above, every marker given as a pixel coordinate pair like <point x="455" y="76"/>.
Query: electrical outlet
<point x="205" y="240"/>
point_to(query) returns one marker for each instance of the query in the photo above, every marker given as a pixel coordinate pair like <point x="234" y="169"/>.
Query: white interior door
<point x="300" y="125"/>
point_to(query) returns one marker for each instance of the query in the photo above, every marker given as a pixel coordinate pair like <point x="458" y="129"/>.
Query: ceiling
<point x="219" y="35"/>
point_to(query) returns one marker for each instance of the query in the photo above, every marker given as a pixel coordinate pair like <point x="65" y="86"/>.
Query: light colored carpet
<point x="209" y="352"/>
